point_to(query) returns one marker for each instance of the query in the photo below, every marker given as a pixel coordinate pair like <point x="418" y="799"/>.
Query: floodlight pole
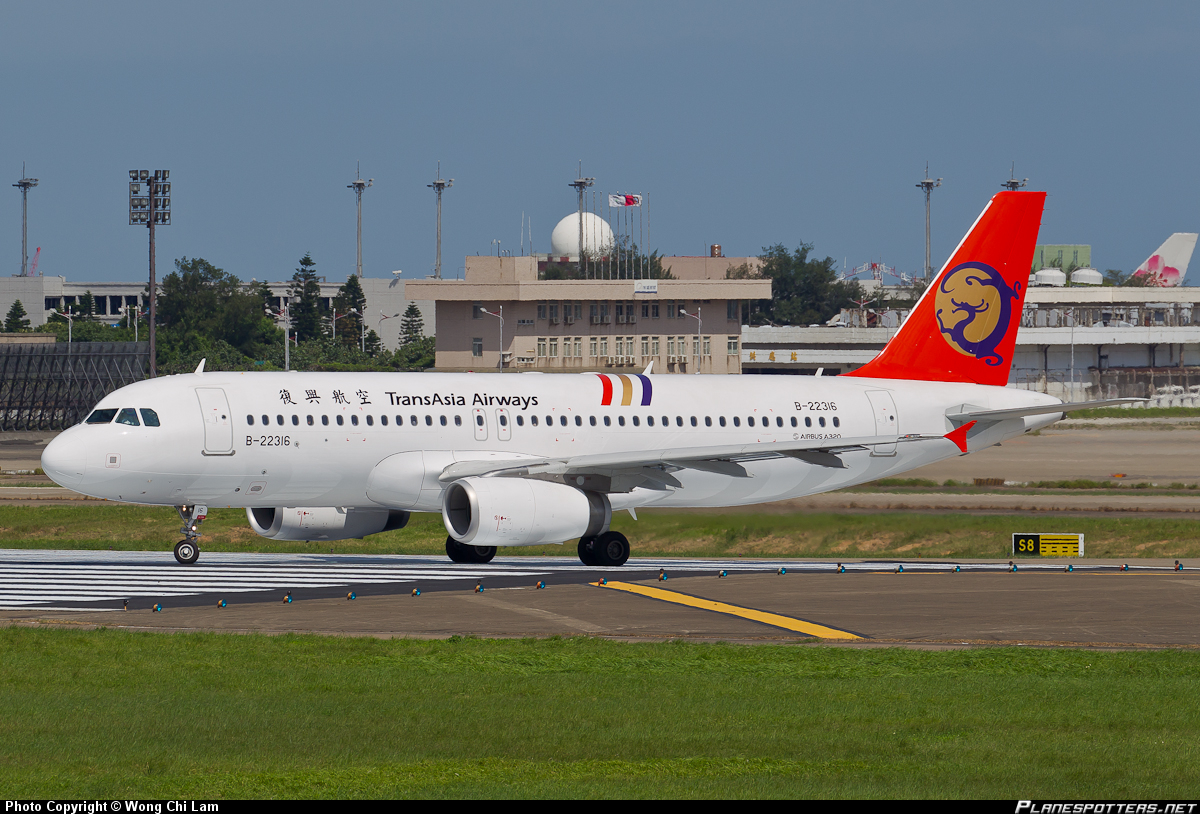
<point x="358" y="186"/>
<point x="928" y="185"/>
<point x="439" y="186"/>
<point x="154" y="207"/>
<point x="499" y="316"/>
<point x="25" y="184"/>
<point x="580" y="185"/>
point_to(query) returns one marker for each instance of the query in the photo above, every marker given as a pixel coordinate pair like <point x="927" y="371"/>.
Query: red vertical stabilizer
<point x="964" y="327"/>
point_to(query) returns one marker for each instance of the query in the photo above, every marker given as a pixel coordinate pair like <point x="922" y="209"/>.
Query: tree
<point x="305" y="305"/>
<point x="15" y="322"/>
<point x="87" y="304"/>
<point x="804" y="291"/>
<point x="200" y="301"/>
<point x="350" y="296"/>
<point x="412" y="326"/>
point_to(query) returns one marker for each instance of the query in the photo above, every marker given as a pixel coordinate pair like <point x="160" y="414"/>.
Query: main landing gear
<point x="186" y="550"/>
<point x="608" y="550"/>
<point x="474" y="554"/>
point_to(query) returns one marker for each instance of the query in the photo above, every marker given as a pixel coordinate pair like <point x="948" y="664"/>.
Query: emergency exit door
<point x="218" y="425"/>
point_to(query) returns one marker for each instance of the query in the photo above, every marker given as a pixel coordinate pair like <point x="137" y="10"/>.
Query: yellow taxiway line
<point x="774" y="619"/>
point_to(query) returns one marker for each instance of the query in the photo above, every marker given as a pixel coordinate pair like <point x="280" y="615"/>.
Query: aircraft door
<point x="218" y="426"/>
<point x="479" y="422"/>
<point x="503" y="424"/>
<point x="884" y="411"/>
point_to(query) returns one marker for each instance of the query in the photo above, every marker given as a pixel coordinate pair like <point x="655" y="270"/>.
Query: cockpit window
<point x="129" y="416"/>
<point x="149" y="417"/>
<point x="102" y="416"/>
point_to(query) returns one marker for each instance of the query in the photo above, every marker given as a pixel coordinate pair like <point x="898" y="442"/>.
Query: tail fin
<point x="1168" y="265"/>
<point x="964" y="327"/>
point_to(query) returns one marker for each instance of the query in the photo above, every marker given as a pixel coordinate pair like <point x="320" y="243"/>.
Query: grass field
<point x="111" y="714"/>
<point x="655" y="533"/>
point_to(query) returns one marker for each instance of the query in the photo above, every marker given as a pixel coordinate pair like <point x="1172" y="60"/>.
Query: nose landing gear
<point x="186" y="550"/>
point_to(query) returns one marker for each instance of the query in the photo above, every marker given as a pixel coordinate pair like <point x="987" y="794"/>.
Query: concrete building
<point x="39" y="295"/>
<point x="590" y="325"/>
<point x="1075" y="343"/>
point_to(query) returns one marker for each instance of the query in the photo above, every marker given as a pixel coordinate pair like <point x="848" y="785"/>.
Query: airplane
<point x="529" y="459"/>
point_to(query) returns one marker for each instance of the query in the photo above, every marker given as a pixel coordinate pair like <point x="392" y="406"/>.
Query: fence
<point x="52" y="387"/>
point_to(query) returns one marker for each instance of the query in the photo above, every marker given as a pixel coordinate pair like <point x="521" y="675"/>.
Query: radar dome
<point x="597" y="236"/>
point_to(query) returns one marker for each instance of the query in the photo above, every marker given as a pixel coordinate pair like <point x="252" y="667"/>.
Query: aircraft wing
<point x="969" y="414"/>
<point x="725" y="460"/>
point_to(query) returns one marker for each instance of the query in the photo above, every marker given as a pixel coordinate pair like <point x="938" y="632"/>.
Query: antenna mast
<point x="1012" y="184"/>
<point x="580" y="185"/>
<point x="928" y="185"/>
<point x="25" y="184"/>
<point x="358" y="186"/>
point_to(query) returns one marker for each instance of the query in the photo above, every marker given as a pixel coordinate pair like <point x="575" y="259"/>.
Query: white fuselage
<point x="314" y="439"/>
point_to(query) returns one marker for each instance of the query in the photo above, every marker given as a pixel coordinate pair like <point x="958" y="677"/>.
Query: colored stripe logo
<point x="607" y="391"/>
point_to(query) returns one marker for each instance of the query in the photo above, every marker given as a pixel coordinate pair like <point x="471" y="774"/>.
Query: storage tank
<point x="1050" y="277"/>
<point x="1086" y="276"/>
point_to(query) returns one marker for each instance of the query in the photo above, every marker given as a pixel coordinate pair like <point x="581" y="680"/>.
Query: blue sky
<point x="746" y="124"/>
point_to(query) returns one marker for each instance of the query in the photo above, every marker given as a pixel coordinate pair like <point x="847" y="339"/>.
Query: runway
<point x="869" y="603"/>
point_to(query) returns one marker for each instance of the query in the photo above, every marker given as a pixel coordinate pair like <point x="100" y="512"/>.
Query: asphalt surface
<point x="870" y="603"/>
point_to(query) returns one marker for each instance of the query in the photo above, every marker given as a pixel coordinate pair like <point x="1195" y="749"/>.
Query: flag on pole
<point x="624" y="200"/>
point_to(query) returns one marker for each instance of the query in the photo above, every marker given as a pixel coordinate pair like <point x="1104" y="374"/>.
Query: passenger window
<point x="149" y="417"/>
<point x="478" y="420"/>
<point x="750" y="421"/>
<point x="722" y="420"/>
<point x="128" y="415"/>
<point x="458" y="421"/>
<point x="549" y="421"/>
<point x="279" y="420"/>
<point x="592" y="420"/>
<point x="383" y="420"/>
<point x="608" y="421"/>
<point x="562" y="419"/>
<point x="621" y="420"/>
<point x="533" y="420"/>
<point x="266" y="421"/>
<point x="737" y="422"/>
<point x="370" y="421"/>
<point x="836" y="422"/>
<point x="340" y="420"/>
<point x="413" y="420"/>
<point x="779" y="421"/>
<point x="503" y="420"/>
<point x="520" y="421"/>
<point x="354" y="420"/>
<point x="578" y="421"/>
<point x="428" y="421"/>
<point x="693" y="421"/>
<point x="295" y="421"/>
<point x="808" y="421"/>
<point x="250" y="420"/>
<point x="707" y="421"/>
<point x="821" y="421"/>
<point x="793" y="421"/>
<point x="636" y="422"/>
<point x="324" y="421"/>
<point x="442" y="419"/>
<point x="649" y="421"/>
<point x="310" y="421"/>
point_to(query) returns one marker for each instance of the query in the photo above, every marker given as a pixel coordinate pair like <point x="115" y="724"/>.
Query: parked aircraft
<point x="525" y="459"/>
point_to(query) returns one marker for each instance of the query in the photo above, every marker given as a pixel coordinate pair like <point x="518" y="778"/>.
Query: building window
<point x="477" y="311"/>
<point x="553" y="312"/>
<point x="591" y="346"/>
<point x="654" y="348"/>
<point x="579" y="347"/>
<point x="708" y="346"/>
<point x="620" y="346"/>
<point x="477" y="346"/>
<point x="604" y="346"/>
<point x="645" y="346"/>
<point x="670" y="346"/>
<point x="553" y="347"/>
<point x="541" y="310"/>
<point x="732" y="346"/>
<point x="672" y="311"/>
<point x="731" y="310"/>
<point x="645" y="310"/>
<point x="541" y="345"/>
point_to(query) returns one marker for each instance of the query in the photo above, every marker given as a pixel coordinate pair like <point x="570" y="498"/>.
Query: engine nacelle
<point x="323" y="522"/>
<point x="517" y="511"/>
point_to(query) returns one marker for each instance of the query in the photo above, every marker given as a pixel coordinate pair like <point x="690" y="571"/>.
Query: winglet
<point x="959" y="436"/>
<point x="200" y="367"/>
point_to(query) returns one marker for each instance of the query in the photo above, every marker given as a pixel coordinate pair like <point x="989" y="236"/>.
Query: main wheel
<point x="186" y="552"/>
<point x="474" y="554"/>
<point x="587" y="551"/>
<point x="611" y="549"/>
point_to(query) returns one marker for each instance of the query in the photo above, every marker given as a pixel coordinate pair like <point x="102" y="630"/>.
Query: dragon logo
<point x="974" y="307"/>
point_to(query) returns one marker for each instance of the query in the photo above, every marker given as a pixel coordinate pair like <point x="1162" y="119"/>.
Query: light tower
<point x="439" y="186"/>
<point x="358" y="186"/>
<point x="151" y="207"/>
<point x="928" y="185"/>
<point x="1012" y="184"/>
<point x="24" y="185"/>
<point x="580" y="185"/>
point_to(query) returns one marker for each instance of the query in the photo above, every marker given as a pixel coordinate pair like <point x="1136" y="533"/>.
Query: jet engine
<point x="519" y="511"/>
<point x="323" y="522"/>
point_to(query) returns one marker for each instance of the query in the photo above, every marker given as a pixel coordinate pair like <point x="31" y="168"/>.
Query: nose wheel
<point x="186" y="552"/>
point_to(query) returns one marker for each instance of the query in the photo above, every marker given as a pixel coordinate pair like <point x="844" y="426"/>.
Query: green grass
<point x="110" y="714"/>
<point x="655" y="533"/>
<point x="1141" y="412"/>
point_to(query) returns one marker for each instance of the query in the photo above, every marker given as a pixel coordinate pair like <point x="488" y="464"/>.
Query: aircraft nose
<point x="63" y="461"/>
